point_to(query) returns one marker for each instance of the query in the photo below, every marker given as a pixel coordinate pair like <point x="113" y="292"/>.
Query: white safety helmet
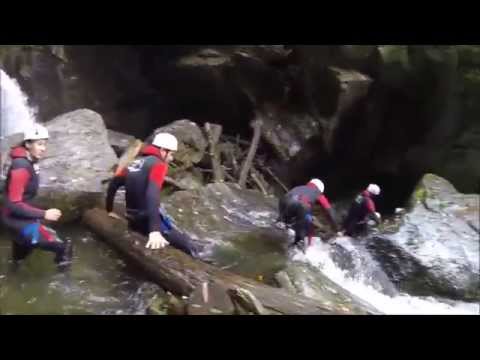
<point x="165" y="141"/>
<point x="319" y="184"/>
<point x="35" y="132"/>
<point x="373" y="189"/>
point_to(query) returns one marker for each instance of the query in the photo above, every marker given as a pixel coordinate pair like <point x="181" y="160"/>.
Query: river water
<point x="98" y="283"/>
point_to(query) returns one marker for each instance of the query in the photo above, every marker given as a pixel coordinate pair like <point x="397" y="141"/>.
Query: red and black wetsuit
<point x="20" y="216"/>
<point x="143" y="181"/>
<point x="356" y="220"/>
<point x="295" y="210"/>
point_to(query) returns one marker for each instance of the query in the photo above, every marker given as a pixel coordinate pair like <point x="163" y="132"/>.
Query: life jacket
<point x="22" y="185"/>
<point x="308" y="195"/>
<point x="362" y="206"/>
<point x="138" y="175"/>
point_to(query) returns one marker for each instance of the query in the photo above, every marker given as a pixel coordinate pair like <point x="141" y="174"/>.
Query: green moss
<point x="421" y="194"/>
<point x="469" y="55"/>
<point x="72" y="204"/>
<point x="158" y="306"/>
<point x="395" y="54"/>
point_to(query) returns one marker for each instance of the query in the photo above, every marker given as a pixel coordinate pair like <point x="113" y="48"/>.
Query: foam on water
<point x="318" y="256"/>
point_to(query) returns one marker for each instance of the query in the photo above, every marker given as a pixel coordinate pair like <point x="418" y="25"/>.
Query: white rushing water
<point x="402" y="304"/>
<point x="15" y="113"/>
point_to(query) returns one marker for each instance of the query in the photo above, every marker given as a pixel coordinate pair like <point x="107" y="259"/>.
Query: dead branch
<point x="270" y="172"/>
<point x="257" y="181"/>
<point x="257" y="132"/>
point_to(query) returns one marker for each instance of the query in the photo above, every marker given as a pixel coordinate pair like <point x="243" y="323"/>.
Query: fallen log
<point x="256" y="177"/>
<point x="129" y="155"/>
<point x="180" y="274"/>
<point x="270" y="172"/>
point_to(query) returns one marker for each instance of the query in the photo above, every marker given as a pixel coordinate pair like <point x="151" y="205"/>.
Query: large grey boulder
<point x="435" y="250"/>
<point x="78" y="158"/>
<point x="191" y="141"/>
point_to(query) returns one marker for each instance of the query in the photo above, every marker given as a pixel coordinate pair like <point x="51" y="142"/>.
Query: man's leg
<point x="282" y="210"/>
<point x="362" y="229"/>
<point x="182" y="242"/>
<point x="21" y="247"/>
<point x="48" y="241"/>
<point x="19" y="253"/>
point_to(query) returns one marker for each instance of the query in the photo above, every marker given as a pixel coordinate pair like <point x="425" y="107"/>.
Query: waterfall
<point x="15" y="113"/>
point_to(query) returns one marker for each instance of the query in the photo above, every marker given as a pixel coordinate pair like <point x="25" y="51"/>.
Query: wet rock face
<point x="79" y="155"/>
<point x="309" y="282"/>
<point x="436" y="248"/>
<point x="192" y="142"/>
<point x="119" y="141"/>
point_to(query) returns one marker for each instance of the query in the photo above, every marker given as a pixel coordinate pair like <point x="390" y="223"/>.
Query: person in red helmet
<point x="362" y="208"/>
<point x="19" y="216"/>
<point x="295" y="209"/>
<point x="143" y="180"/>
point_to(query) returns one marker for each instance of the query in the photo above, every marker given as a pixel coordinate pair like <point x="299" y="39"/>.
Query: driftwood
<point x="214" y="132"/>
<point x="180" y="274"/>
<point x="257" y="132"/>
<point x="229" y="150"/>
<point x="257" y="178"/>
<point x="235" y="139"/>
<point x="230" y="177"/>
<point x="270" y="172"/>
<point x="129" y="155"/>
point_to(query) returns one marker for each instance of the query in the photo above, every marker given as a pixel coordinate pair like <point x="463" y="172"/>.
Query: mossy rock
<point x="191" y="141"/>
<point x="468" y="55"/>
<point x="72" y="204"/>
<point x="395" y="54"/>
<point x="158" y="306"/>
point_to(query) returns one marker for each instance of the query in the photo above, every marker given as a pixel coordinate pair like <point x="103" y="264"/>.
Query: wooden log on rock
<point x="180" y="274"/>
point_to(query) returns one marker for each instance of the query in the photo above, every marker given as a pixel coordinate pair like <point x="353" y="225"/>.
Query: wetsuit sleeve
<point x="371" y="210"/>
<point x="156" y="179"/>
<point x="117" y="182"/>
<point x="19" y="179"/>
<point x="323" y="201"/>
<point x="370" y="206"/>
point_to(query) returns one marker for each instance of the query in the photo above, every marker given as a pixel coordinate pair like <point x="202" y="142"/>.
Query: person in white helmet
<point x="295" y="209"/>
<point x="362" y="208"/>
<point x="19" y="215"/>
<point x="143" y="180"/>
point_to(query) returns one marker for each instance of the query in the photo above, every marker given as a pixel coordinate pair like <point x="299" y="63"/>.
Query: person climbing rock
<point x="361" y="210"/>
<point x="20" y="217"/>
<point x="295" y="209"/>
<point x="143" y="180"/>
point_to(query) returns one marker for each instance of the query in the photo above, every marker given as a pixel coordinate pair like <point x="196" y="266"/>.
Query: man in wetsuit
<point x="362" y="208"/>
<point x="19" y="216"/>
<point x="295" y="209"/>
<point x="143" y="180"/>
